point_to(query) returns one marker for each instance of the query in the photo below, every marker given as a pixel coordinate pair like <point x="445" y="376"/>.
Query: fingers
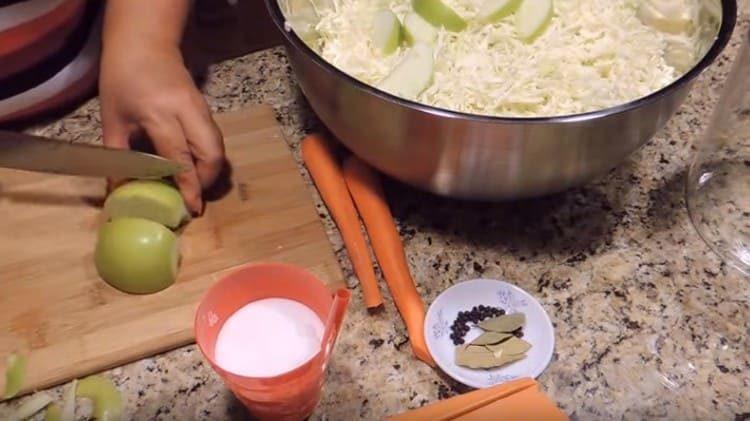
<point x="205" y="142"/>
<point x="115" y="135"/>
<point x="170" y="142"/>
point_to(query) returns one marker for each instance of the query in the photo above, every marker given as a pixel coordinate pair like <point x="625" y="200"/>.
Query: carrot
<point x="364" y="186"/>
<point x="462" y="405"/>
<point x="326" y="173"/>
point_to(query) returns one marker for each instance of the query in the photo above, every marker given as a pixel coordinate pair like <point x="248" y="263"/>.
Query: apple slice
<point x="418" y="30"/>
<point x="137" y="255"/>
<point x="149" y="199"/>
<point x="439" y="14"/>
<point x="386" y="31"/>
<point x="412" y="75"/>
<point x="15" y="373"/>
<point x="532" y="18"/>
<point x="494" y="10"/>
<point x="105" y="397"/>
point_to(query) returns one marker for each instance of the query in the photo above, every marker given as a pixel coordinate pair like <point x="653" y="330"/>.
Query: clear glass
<point x="718" y="183"/>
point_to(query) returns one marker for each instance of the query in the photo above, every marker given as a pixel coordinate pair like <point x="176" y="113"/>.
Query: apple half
<point x="137" y="255"/>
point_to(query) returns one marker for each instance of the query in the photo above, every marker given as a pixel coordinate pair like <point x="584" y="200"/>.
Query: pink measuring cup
<point x="292" y="395"/>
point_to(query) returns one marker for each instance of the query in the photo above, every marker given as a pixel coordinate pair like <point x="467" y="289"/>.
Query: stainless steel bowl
<point x="477" y="157"/>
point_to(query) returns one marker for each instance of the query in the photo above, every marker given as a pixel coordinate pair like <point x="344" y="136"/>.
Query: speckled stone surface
<point x="649" y="323"/>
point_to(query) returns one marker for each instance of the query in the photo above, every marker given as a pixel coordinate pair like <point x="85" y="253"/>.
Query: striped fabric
<point x="49" y="54"/>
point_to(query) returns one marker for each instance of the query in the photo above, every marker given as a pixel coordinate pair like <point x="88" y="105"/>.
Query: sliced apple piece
<point x="15" y="373"/>
<point x="494" y="10"/>
<point x="439" y="14"/>
<point x="149" y="199"/>
<point x="104" y="395"/>
<point x="418" y="30"/>
<point x="412" y="75"/>
<point x="532" y="18"/>
<point x="386" y="31"/>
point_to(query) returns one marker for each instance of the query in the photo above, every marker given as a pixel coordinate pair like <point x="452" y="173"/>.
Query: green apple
<point x="136" y="255"/>
<point x="106" y="399"/>
<point x="15" y="373"/>
<point x="149" y="199"/>
<point x="439" y="14"/>
<point x="417" y="30"/>
<point x="494" y="10"/>
<point x="386" y="31"/>
<point x="412" y="75"/>
<point x="532" y="18"/>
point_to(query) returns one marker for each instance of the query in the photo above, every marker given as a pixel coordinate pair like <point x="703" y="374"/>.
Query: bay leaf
<point x="507" y="359"/>
<point x="491" y="338"/>
<point x="504" y="324"/>
<point x="512" y="346"/>
<point x="474" y="349"/>
<point x="471" y="358"/>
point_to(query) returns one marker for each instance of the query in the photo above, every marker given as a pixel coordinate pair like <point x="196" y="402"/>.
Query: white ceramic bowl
<point x="538" y="330"/>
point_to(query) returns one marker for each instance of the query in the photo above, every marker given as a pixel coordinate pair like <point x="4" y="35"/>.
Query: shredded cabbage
<point x="594" y="54"/>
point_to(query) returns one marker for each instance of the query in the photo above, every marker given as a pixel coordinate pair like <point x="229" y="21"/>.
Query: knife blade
<point x="35" y="153"/>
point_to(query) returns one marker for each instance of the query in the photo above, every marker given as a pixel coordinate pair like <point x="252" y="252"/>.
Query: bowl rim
<point x="726" y="29"/>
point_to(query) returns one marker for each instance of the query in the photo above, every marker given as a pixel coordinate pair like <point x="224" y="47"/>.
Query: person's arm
<point x="144" y="85"/>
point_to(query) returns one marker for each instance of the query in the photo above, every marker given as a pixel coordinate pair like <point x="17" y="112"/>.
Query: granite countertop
<point x="649" y="323"/>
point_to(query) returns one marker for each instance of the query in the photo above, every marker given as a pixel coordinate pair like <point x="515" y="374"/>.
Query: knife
<point x="35" y="153"/>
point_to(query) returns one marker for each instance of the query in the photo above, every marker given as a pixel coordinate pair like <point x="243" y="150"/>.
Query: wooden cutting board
<point x="56" y="311"/>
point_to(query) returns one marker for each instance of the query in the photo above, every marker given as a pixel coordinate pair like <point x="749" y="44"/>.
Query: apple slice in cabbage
<point x="494" y="10"/>
<point x="532" y="18"/>
<point x="386" y="31"/>
<point x="412" y="75"/>
<point x="418" y="30"/>
<point x="439" y="14"/>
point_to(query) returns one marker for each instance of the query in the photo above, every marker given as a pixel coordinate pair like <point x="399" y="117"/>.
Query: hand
<point x="147" y="88"/>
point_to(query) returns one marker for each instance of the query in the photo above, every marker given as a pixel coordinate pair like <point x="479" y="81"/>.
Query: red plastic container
<point x="292" y="395"/>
